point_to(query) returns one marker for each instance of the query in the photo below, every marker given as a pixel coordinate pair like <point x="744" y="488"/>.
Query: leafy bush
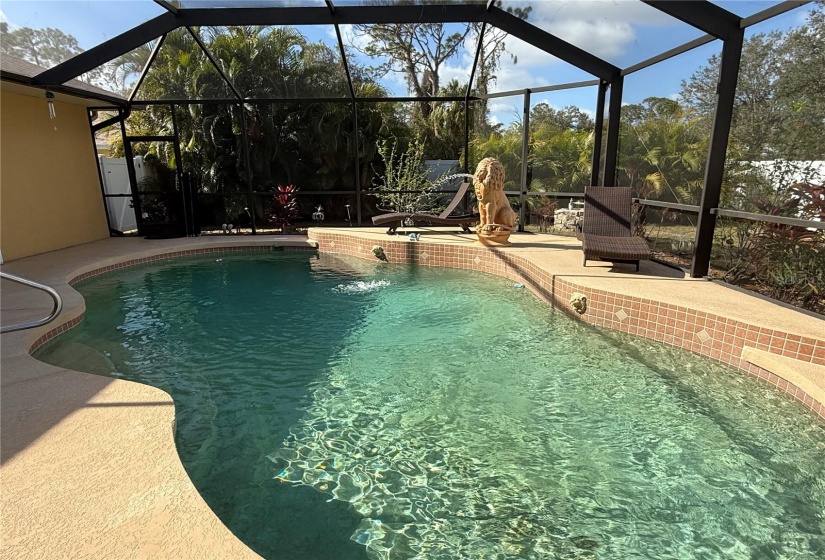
<point x="404" y="186"/>
<point x="285" y="206"/>
<point x="783" y="262"/>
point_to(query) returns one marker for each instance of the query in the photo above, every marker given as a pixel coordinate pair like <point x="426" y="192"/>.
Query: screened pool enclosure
<point x="227" y="100"/>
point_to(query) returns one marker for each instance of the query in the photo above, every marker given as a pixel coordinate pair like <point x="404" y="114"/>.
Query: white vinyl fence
<point x="116" y="181"/>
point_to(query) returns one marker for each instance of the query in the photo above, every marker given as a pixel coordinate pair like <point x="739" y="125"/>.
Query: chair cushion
<point x="390" y="217"/>
<point x="610" y="247"/>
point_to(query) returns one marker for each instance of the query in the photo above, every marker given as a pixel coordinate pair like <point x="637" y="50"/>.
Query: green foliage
<point x="45" y="47"/>
<point x="662" y="151"/>
<point x="418" y="52"/>
<point x="443" y="130"/>
<point x="403" y="171"/>
<point x="801" y="84"/>
<point x="779" y="103"/>
<point x="776" y="133"/>
<point x="311" y="143"/>
<point x="568" y="118"/>
<point x="559" y="158"/>
<point x="492" y="48"/>
<point x="784" y="262"/>
<point x="757" y="119"/>
<point x="505" y="147"/>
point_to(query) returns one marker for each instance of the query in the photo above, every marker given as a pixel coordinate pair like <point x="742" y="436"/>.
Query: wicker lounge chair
<point x="397" y="218"/>
<point x="606" y="227"/>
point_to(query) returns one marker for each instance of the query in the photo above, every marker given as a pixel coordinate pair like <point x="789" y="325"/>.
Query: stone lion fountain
<point x="497" y="219"/>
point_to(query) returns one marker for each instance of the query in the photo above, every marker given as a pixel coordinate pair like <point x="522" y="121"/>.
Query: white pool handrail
<point x="58" y="303"/>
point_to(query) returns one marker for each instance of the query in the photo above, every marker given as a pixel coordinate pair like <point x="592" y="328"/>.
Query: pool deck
<point x="89" y="466"/>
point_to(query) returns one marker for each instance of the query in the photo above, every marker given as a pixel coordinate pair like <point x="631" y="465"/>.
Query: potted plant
<point x="284" y="208"/>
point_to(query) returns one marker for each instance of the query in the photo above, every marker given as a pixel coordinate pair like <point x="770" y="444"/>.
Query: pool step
<point x="807" y="376"/>
<point x="81" y="357"/>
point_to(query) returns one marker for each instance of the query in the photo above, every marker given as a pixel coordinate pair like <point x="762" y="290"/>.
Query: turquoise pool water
<point x="331" y="408"/>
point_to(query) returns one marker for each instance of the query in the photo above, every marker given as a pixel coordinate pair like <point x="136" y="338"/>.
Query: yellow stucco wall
<point x="49" y="188"/>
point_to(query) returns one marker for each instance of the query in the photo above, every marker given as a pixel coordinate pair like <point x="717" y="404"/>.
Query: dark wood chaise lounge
<point x="396" y="219"/>
<point x="606" y="233"/>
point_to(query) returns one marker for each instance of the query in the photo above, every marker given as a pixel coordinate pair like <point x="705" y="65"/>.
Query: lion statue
<point x="493" y="206"/>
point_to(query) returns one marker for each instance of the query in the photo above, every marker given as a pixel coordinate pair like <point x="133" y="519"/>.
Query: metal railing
<point x="749" y="216"/>
<point x="58" y="303"/>
<point x="769" y="218"/>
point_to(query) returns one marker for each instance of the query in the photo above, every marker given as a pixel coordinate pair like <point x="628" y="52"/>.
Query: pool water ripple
<point x="335" y="408"/>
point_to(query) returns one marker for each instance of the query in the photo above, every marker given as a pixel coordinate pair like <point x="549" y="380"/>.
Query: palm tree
<point x="505" y="147"/>
<point x="310" y="144"/>
<point x="560" y="159"/>
<point x="443" y="131"/>
<point x="662" y="151"/>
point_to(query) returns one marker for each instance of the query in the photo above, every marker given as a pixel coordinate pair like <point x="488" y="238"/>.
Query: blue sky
<point x="622" y="32"/>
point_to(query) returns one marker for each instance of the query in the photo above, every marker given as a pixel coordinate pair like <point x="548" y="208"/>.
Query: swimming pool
<point x="336" y="408"/>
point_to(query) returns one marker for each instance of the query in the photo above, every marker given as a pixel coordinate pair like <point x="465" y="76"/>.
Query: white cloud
<point x="605" y="28"/>
<point x="503" y="107"/>
<point x="460" y="73"/>
<point x="511" y="77"/>
<point x="626" y="11"/>
<point x="605" y="39"/>
<point x="503" y="112"/>
<point x="398" y="79"/>
<point x="525" y="53"/>
<point x="351" y="38"/>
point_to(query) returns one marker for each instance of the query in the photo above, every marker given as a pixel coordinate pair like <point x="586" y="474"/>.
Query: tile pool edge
<point x="720" y="338"/>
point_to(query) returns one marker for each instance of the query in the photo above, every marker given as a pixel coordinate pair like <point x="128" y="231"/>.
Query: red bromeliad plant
<point x="806" y="201"/>
<point x="787" y="261"/>
<point x="285" y="206"/>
